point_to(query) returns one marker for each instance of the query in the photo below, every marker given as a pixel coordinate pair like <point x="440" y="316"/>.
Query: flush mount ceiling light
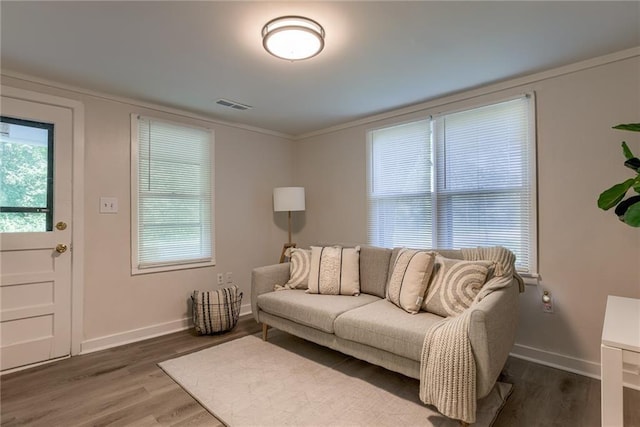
<point x="293" y="37"/>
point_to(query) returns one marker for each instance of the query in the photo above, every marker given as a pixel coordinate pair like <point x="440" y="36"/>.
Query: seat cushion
<point x="386" y="326"/>
<point x="314" y="310"/>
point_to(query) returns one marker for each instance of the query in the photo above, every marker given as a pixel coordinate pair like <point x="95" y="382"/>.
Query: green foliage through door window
<point x="26" y="176"/>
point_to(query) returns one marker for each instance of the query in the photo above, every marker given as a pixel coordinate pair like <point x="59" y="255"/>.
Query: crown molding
<point x="481" y="91"/>
<point x="137" y="103"/>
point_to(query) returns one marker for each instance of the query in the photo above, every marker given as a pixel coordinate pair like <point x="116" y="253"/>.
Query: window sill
<point x="530" y="279"/>
<point x="164" y="268"/>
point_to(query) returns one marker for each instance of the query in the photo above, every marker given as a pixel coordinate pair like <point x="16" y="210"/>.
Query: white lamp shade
<point x="288" y="199"/>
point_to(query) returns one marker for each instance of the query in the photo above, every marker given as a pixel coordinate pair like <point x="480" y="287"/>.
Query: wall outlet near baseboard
<point x="229" y="277"/>
<point x="547" y="302"/>
<point x="220" y="279"/>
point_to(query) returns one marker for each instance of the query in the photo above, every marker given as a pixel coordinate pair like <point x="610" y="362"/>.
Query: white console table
<point x="620" y="344"/>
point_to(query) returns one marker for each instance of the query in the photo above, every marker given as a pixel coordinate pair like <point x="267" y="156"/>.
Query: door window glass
<point x="26" y="176"/>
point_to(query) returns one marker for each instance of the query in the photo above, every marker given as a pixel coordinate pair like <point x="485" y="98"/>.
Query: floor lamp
<point x="288" y="199"/>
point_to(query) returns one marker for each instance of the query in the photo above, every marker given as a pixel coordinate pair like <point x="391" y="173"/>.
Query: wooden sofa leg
<point x="265" y="327"/>
<point x="463" y="424"/>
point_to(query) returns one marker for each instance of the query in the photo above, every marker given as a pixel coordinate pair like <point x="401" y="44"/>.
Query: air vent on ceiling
<point x="233" y="104"/>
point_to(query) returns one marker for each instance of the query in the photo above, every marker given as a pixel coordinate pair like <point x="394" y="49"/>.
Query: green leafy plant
<point x="628" y="210"/>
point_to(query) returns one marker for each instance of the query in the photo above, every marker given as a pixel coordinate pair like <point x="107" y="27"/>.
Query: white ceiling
<point x="378" y="56"/>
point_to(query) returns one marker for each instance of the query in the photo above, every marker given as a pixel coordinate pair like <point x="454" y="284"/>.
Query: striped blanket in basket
<point x="216" y="311"/>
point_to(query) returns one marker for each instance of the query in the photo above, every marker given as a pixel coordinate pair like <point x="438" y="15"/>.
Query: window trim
<point x="166" y="266"/>
<point x="533" y="179"/>
<point x="466" y="105"/>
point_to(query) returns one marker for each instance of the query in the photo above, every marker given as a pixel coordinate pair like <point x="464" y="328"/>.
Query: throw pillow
<point x="454" y="285"/>
<point x="409" y="279"/>
<point x="299" y="267"/>
<point x="334" y="270"/>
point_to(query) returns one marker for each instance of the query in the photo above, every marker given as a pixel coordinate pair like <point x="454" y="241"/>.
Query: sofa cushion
<point x="409" y="279"/>
<point x="385" y="326"/>
<point x="334" y="270"/>
<point x="300" y="264"/>
<point x="454" y="285"/>
<point x="374" y="269"/>
<point x="316" y="311"/>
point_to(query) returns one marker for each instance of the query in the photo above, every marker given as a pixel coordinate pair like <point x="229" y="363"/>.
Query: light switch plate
<point x="109" y="205"/>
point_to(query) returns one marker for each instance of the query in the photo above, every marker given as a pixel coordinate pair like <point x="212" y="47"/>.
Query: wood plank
<point x="122" y="385"/>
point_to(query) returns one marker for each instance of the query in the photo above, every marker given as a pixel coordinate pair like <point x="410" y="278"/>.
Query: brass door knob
<point x="61" y="226"/>
<point x="61" y="248"/>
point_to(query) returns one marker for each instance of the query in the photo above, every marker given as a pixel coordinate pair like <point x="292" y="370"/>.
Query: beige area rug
<point x="292" y="382"/>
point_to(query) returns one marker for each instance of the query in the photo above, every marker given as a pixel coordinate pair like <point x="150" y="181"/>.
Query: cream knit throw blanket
<point x="447" y="366"/>
<point x="505" y="264"/>
<point x="448" y="370"/>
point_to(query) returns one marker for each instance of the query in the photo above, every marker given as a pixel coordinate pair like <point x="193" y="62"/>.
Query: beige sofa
<point x="373" y="329"/>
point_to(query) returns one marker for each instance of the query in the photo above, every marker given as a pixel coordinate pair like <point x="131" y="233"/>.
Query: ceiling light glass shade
<point x="293" y="37"/>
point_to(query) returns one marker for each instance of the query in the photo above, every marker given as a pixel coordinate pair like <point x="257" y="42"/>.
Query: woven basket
<point x="216" y="311"/>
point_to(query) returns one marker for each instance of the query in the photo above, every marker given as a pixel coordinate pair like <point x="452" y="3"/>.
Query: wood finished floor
<point x="124" y="386"/>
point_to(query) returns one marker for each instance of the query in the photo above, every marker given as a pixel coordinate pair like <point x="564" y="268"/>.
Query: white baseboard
<point x="127" y="337"/>
<point x="134" y="335"/>
<point x="587" y="368"/>
<point x="245" y="309"/>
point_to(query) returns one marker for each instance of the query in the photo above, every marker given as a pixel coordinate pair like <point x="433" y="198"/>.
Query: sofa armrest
<point x="263" y="280"/>
<point x="494" y="321"/>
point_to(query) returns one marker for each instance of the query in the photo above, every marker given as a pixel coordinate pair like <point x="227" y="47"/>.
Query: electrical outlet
<point x="220" y="279"/>
<point x="229" y="277"/>
<point x="108" y="205"/>
<point x="547" y="302"/>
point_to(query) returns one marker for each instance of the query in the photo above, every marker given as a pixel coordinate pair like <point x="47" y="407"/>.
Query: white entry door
<point x="35" y="232"/>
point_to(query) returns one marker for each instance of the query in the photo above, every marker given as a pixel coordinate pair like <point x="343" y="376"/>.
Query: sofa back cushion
<point x="374" y="270"/>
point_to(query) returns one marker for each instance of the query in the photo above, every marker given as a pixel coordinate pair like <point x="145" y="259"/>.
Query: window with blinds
<point x="172" y="196"/>
<point x="400" y="186"/>
<point x="465" y="179"/>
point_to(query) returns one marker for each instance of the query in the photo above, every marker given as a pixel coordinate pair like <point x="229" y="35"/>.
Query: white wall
<point x="584" y="253"/>
<point x="248" y="164"/>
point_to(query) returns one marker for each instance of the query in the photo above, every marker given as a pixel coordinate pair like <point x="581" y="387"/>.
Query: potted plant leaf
<point x="627" y="210"/>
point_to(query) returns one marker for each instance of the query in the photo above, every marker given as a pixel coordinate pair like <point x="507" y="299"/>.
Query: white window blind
<point x="483" y="183"/>
<point x="400" y="208"/>
<point x="485" y="193"/>
<point x="173" y="195"/>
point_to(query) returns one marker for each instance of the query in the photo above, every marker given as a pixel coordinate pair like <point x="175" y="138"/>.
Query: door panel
<point x="13" y="297"/>
<point x="35" y="279"/>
